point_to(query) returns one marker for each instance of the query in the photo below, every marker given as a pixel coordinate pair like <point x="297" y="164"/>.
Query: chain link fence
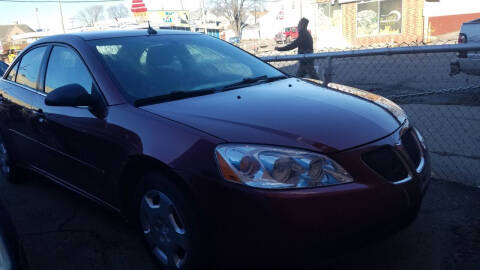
<point x="266" y="47"/>
<point x="442" y="101"/>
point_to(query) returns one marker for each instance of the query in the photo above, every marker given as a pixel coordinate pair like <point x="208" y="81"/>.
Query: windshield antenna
<point x="150" y="30"/>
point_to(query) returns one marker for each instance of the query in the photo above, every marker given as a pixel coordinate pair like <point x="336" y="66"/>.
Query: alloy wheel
<point x="164" y="229"/>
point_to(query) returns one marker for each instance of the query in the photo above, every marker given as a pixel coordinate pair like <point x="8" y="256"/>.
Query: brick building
<point x="345" y="23"/>
<point x="6" y="36"/>
<point x="363" y="23"/>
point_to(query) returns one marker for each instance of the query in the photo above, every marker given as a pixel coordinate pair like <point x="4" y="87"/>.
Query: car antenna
<point x="150" y="30"/>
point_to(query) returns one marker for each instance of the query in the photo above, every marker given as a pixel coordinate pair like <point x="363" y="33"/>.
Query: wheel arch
<point x="133" y="172"/>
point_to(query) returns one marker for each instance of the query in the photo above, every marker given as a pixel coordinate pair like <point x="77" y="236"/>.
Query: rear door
<point x="17" y="117"/>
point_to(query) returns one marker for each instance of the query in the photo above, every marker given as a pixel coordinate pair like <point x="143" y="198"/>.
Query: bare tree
<point x="235" y="11"/>
<point x="90" y="15"/>
<point x="117" y="12"/>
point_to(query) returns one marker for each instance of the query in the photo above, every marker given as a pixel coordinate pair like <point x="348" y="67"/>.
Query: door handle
<point x="39" y="116"/>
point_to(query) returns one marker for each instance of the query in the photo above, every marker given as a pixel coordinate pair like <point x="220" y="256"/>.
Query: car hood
<point x="289" y="112"/>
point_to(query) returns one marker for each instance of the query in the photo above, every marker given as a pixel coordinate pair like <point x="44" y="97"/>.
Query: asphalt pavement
<point x="61" y="230"/>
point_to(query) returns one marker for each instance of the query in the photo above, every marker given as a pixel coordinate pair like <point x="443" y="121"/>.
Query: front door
<point x="77" y="143"/>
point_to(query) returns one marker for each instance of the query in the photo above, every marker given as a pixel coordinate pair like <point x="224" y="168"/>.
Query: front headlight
<point x="278" y="167"/>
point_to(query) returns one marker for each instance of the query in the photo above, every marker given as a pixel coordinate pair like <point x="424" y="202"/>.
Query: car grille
<point x="386" y="163"/>
<point x="411" y="147"/>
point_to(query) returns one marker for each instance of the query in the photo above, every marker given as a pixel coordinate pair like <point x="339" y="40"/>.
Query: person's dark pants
<point x="307" y="68"/>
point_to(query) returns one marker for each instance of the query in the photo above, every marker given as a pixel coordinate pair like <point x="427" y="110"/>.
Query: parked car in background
<point x="12" y="255"/>
<point x="468" y="62"/>
<point x="3" y="67"/>
<point x="287" y="35"/>
<point x="234" y="40"/>
<point x="211" y="151"/>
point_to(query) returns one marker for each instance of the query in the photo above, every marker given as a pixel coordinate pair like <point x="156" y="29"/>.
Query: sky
<point x="49" y="14"/>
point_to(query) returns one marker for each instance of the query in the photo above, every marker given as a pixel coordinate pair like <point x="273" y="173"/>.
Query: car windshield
<point x="158" y="65"/>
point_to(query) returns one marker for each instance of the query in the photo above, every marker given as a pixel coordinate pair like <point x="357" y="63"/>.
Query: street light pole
<point x="255" y="6"/>
<point x="38" y="20"/>
<point x="61" y="15"/>
<point x="301" y="9"/>
<point x="203" y="17"/>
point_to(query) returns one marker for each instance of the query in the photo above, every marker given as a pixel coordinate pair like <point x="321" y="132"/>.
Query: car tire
<point x="10" y="235"/>
<point x="171" y="233"/>
<point x="10" y="172"/>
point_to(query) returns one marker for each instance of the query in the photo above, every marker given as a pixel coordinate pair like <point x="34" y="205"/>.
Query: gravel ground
<point x="61" y="230"/>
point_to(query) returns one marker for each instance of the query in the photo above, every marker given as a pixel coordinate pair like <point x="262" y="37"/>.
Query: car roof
<point x="473" y="22"/>
<point x="94" y="35"/>
<point x="128" y="33"/>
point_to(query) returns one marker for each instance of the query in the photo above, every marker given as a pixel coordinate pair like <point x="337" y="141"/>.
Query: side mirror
<point x="69" y="95"/>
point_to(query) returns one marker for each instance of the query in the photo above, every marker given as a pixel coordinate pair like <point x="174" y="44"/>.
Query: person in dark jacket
<point x="304" y="43"/>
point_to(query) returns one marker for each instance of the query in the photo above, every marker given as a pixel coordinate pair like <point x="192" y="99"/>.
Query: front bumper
<point x="245" y="220"/>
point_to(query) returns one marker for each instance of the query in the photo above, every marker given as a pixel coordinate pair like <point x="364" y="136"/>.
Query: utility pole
<point x="301" y="9"/>
<point x="38" y="20"/>
<point x="181" y="4"/>
<point x="203" y="17"/>
<point x="255" y="5"/>
<point x="61" y="15"/>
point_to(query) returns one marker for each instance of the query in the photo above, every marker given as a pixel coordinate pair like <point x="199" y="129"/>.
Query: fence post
<point x="328" y="72"/>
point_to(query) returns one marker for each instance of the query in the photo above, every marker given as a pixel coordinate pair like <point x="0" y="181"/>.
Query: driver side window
<point x="66" y="67"/>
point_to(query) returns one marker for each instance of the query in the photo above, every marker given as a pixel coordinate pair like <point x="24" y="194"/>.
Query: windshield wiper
<point x="250" y="81"/>
<point x="176" y="95"/>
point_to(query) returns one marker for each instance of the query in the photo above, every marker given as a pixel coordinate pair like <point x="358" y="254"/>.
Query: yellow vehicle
<point x="11" y="56"/>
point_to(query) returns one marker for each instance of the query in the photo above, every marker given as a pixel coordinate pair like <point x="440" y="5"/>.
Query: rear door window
<point x="29" y="69"/>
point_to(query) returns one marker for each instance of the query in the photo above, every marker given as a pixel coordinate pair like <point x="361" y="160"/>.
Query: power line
<point x="63" y="2"/>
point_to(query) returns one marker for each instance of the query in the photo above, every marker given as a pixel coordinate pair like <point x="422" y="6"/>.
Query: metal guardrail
<point x="443" y="103"/>
<point x="376" y="52"/>
<point x="456" y="48"/>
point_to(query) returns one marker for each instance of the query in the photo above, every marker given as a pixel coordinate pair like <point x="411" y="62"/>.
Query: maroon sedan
<point x="207" y="147"/>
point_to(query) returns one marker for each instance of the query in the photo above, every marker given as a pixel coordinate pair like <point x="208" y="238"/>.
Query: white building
<point x="278" y="15"/>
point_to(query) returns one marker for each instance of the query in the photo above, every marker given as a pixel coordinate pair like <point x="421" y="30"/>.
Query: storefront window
<point x="367" y="18"/>
<point x="329" y="15"/>
<point x="391" y="17"/>
<point x="324" y="10"/>
<point x="379" y="17"/>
